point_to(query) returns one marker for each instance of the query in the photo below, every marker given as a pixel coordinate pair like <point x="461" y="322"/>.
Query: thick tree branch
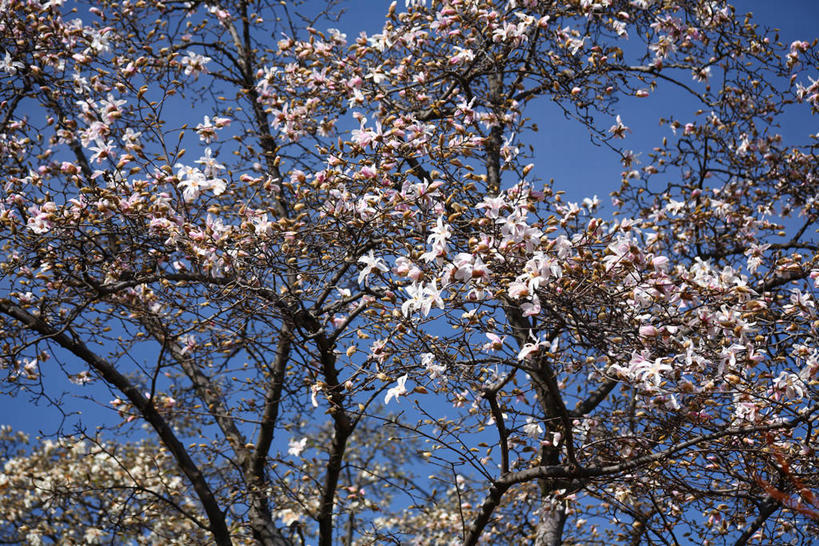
<point x="766" y="510"/>
<point x="272" y="402"/>
<point x="492" y="396"/>
<point x="491" y="502"/>
<point x="343" y="426"/>
<point x="593" y="400"/>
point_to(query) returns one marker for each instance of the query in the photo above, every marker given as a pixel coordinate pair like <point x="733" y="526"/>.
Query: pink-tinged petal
<point x="648" y="330"/>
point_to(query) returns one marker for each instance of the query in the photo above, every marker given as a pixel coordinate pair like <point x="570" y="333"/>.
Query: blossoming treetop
<point x="395" y="332"/>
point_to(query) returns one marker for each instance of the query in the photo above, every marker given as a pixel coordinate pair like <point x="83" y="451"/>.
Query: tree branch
<point x="216" y="517"/>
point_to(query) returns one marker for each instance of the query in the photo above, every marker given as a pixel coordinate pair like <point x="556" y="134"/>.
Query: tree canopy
<point x="341" y="303"/>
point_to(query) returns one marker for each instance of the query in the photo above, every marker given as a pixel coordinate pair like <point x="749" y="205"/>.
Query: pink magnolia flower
<point x="367" y="172"/>
<point x="462" y="55"/>
<point x="531" y="308"/>
<point x="364" y="136"/>
<point x="111" y="108"/>
<point x="529" y="349"/>
<point x="517" y="290"/>
<point x="42" y="219"/>
<point x="493" y="205"/>
<point x="103" y="150"/>
<point x="648" y="330"/>
<point x="262" y="226"/>
<point x="467" y="267"/>
<point x="650" y="372"/>
<point x="495" y="342"/>
<point x="96" y="131"/>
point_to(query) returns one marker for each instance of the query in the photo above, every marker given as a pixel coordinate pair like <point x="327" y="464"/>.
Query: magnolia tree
<point x="334" y="304"/>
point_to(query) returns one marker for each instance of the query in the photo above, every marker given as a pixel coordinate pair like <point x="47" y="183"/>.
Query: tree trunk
<point x="550" y="524"/>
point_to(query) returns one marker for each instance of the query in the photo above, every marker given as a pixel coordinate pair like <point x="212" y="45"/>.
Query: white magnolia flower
<point x="398" y="390"/>
<point x="295" y="447"/>
<point x="532" y="429"/>
<point x="371" y="263"/>
<point x="10" y="66"/>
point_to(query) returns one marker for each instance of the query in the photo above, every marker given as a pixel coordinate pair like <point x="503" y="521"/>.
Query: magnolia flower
<point x="406" y="268"/>
<point x="10" y="66"/>
<point x="42" y="219"/>
<point x="111" y="108"/>
<point x="591" y="203"/>
<point x="701" y="74"/>
<point x="440" y="234"/>
<point x="187" y="342"/>
<point x="365" y="137"/>
<point x="93" y="535"/>
<point x="508" y="150"/>
<point x="493" y="206"/>
<point x="495" y="342"/>
<point x="747" y="411"/>
<point x="433" y="370"/>
<point x="288" y="516"/>
<point x="371" y="263"/>
<point x="314" y="390"/>
<point x="209" y="163"/>
<point x="131" y="138"/>
<point x="194" y="181"/>
<point x="529" y="349"/>
<point x="194" y="64"/>
<point x="82" y="378"/>
<point x="422" y="297"/>
<point x="207" y="130"/>
<point x="532" y="429"/>
<point x="462" y="56"/>
<point x="262" y="225"/>
<point x="648" y="330"/>
<point x="466" y="267"/>
<point x="618" y="130"/>
<point x="31" y="368"/>
<point x="398" y="390"/>
<point x="517" y="290"/>
<point x="648" y="371"/>
<point x="531" y="308"/>
<point x="789" y="385"/>
<point x="102" y="150"/>
<point x="295" y="447"/>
